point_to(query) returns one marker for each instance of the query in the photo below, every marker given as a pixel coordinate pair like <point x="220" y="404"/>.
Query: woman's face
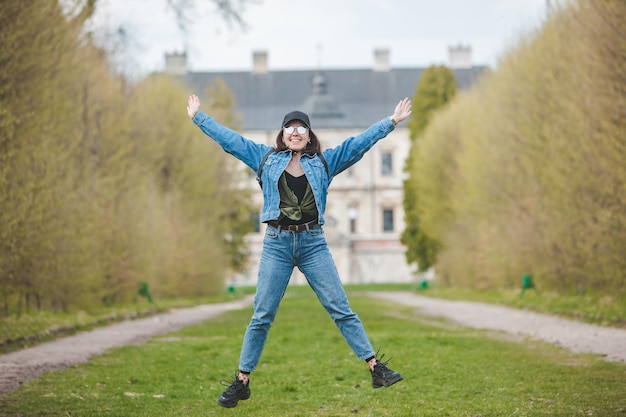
<point x="296" y="136"/>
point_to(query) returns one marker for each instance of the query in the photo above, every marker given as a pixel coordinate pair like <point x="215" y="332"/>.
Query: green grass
<point x="307" y="369"/>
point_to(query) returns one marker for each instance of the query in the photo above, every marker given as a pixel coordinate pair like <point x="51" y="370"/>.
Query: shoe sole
<point x="231" y="404"/>
<point x="386" y="382"/>
<point x="227" y="405"/>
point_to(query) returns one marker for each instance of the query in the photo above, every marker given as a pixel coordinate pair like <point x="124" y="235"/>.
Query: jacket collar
<point x="310" y="155"/>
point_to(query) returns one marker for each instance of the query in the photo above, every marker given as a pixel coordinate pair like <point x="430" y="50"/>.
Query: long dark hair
<point x="313" y="147"/>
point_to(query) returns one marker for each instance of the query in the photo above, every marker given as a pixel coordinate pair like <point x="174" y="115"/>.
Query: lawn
<point x="307" y="369"/>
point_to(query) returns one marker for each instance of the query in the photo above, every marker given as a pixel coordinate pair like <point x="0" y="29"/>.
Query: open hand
<point x="402" y="110"/>
<point x="193" y="105"/>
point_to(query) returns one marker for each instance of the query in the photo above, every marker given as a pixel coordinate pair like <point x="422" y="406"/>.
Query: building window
<point x="387" y="220"/>
<point x="352" y="215"/>
<point x="386" y="164"/>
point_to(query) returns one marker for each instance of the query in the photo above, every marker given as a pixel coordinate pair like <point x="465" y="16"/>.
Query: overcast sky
<point x="308" y="34"/>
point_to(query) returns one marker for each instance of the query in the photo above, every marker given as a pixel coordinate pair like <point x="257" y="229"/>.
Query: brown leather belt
<point x="293" y="227"/>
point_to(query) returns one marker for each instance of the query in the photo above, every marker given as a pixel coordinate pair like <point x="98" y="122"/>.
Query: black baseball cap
<point x="297" y="115"/>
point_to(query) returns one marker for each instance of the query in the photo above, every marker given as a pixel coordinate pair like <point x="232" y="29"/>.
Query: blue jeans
<point x="307" y="249"/>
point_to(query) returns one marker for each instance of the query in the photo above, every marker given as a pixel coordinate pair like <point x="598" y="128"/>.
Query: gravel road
<point x="23" y="365"/>
<point x="575" y="336"/>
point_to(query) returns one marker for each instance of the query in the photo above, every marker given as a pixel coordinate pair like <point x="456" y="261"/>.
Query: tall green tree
<point x="435" y="89"/>
<point x="38" y="102"/>
<point x="437" y="86"/>
<point x="529" y="164"/>
<point x="96" y="193"/>
<point x="220" y="104"/>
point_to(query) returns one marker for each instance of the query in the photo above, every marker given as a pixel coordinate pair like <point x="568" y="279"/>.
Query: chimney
<point x="176" y="63"/>
<point x="381" y="60"/>
<point x="460" y="57"/>
<point x="259" y="62"/>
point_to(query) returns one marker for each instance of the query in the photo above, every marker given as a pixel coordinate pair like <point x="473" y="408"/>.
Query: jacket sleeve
<point x="351" y="150"/>
<point x="246" y="150"/>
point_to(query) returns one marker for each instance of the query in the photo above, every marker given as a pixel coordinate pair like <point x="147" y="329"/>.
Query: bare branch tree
<point x="231" y="11"/>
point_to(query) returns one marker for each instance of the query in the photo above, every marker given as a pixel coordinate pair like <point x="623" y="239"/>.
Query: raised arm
<point x="247" y="151"/>
<point x="353" y="148"/>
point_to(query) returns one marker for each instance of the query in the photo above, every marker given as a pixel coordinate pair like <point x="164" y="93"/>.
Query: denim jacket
<point x="251" y="153"/>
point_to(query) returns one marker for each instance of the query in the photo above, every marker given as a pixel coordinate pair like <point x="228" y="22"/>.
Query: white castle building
<point x="364" y="213"/>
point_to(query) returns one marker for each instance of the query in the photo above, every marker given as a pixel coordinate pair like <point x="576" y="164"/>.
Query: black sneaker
<point x="383" y="376"/>
<point x="236" y="391"/>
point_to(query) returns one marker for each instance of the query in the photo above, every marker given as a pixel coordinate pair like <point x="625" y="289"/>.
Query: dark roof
<point x="350" y="98"/>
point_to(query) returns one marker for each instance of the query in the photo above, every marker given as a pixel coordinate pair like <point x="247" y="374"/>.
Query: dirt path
<point x="18" y="367"/>
<point x="23" y="365"/>
<point x="576" y="336"/>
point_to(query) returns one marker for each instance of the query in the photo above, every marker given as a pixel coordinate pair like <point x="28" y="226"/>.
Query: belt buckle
<point x="297" y="227"/>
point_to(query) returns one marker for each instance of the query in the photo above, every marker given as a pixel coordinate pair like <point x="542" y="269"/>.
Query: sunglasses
<point x="290" y="129"/>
